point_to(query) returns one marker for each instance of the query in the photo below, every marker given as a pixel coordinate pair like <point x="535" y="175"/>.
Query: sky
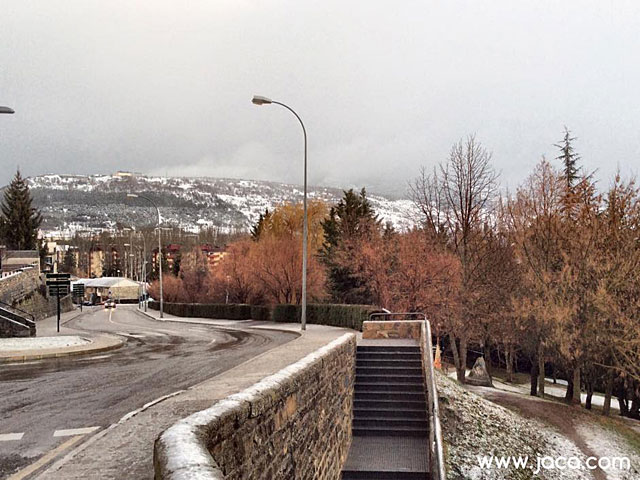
<point x="383" y="87"/>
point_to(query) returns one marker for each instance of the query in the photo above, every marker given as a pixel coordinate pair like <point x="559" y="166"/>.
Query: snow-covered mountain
<point x="72" y="203"/>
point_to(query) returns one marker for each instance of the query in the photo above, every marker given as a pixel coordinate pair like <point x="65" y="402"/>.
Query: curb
<point x="43" y="356"/>
<point x="223" y="327"/>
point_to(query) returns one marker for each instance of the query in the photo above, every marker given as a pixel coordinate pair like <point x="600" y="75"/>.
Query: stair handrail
<point x="434" y="407"/>
<point x="33" y="318"/>
<point x="436" y="448"/>
<point x="10" y="320"/>
<point x="388" y="315"/>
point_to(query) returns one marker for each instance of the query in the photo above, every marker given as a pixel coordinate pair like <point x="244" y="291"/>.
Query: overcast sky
<point x="383" y="87"/>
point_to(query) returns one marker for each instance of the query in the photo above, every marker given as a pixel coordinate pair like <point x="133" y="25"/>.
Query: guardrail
<point x="436" y="450"/>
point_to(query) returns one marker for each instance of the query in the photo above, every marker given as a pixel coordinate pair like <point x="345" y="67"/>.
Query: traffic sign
<point x="59" y="275"/>
<point x="58" y="290"/>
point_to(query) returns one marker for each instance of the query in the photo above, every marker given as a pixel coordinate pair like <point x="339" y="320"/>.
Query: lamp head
<point x="132" y="195"/>
<point x="6" y="110"/>
<point x="260" y="100"/>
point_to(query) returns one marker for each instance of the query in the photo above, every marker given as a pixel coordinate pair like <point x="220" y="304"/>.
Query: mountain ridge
<point x="72" y="203"/>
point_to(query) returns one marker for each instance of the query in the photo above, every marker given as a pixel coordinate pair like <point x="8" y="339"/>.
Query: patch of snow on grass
<point x="40" y="343"/>
<point x="473" y="427"/>
<point x="606" y="442"/>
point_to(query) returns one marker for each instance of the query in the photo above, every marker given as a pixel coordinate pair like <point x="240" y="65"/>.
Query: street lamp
<point x="134" y="195"/>
<point x="260" y="100"/>
<point x="6" y="110"/>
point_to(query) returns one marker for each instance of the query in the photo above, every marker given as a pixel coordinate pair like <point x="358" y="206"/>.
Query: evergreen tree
<point x="177" y="262"/>
<point x="69" y="261"/>
<point x="569" y="158"/>
<point x="350" y="221"/>
<point x="19" y="221"/>
<point x="258" y="228"/>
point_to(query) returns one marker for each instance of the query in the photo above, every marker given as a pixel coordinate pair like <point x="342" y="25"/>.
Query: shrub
<point x="220" y="311"/>
<point x="346" y="316"/>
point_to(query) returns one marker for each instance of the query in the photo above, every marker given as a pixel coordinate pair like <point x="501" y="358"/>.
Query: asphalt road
<point x="51" y="401"/>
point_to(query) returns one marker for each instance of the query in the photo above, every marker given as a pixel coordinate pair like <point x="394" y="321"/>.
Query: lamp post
<point x="159" y="258"/>
<point x="143" y="271"/>
<point x="259" y="100"/>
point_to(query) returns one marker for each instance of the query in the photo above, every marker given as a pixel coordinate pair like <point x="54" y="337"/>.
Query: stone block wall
<point x="16" y="287"/>
<point x="392" y="329"/>
<point x="42" y="307"/>
<point x="295" y="424"/>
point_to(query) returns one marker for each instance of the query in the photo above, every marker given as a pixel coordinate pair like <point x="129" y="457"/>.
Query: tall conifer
<point x="19" y="220"/>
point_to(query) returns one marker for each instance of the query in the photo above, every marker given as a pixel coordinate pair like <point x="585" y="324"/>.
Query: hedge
<point x="211" y="310"/>
<point x="347" y="316"/>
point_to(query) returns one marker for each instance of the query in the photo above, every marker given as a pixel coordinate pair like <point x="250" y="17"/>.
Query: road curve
<point x="45" y="403"/>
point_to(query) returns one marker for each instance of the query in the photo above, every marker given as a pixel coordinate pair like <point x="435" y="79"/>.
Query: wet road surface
<point x="45" y="403"/>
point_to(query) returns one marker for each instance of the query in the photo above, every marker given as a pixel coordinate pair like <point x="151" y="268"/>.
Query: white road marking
<point x="10" y="437"/>
<point x="74" y="431"/>
<point x="19" y="364"/>
<point x="99" y="357"/>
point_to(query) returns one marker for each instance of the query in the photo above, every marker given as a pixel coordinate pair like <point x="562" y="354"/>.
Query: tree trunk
<point x="456" y="357"/>
<point x="606" y="408"/>
<point x="576" y="386"/>
<point x="541" y="375"/>
<point x="587" y="403"/>
<point x="534" y="378"/>
<point x="569" y="394"/>
<point x="509" y="359"/>
<point x="487" y="355"/>
<point x="634" y="411"/>
<point x="463" y="360"/>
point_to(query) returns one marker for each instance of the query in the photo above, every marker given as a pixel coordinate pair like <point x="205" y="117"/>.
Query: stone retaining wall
<point x="42" y="307"/>
<point x="16" y="287"/>
<point x="294" y="424"/>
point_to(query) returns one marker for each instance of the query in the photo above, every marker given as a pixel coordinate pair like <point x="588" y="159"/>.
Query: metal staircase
<point x="390" y="424"/>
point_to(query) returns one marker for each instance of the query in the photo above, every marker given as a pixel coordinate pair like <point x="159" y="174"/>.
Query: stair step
<point x="382" y="395"/>
<point x="366" y="412"/>
<point x="388" y="356"/>
<point x="387" y="370"/>
<point x="368" y="378"/>
<point x="388" y="387"/>
<point x="372" y="348"/>
<point x="385" y="404"/>
<point x="390" y="423"/>
<point x="367" y="475"/>
<point x="388" y="363"/>
<point x="389" y="432"/>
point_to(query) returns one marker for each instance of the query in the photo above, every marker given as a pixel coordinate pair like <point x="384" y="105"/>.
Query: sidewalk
<point x="125" y="449"/>
<point x="49" y="343"/>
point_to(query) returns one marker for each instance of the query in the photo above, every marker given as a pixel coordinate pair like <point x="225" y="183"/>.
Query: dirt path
<point x="562" y="417"/>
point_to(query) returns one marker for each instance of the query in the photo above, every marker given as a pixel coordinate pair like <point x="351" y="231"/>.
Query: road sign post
<point x="78" y="292"/>
<point x="59" y="285"/>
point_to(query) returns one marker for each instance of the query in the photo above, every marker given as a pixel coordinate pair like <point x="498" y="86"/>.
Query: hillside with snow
<point x="71" y="203"/>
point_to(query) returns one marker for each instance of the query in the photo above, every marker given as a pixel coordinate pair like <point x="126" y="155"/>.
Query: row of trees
<point x="545" y="277"/>
<point x="549" y="272"/>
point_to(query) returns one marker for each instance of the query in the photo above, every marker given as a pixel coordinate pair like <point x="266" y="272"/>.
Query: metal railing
<point x="22" y="313"/>
<point x="436" y="448"/>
